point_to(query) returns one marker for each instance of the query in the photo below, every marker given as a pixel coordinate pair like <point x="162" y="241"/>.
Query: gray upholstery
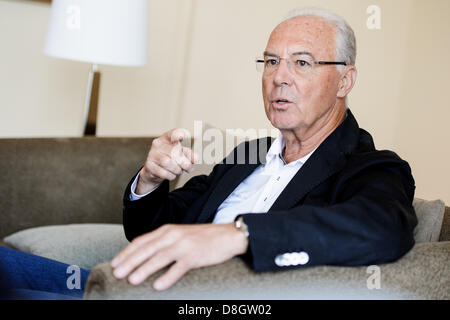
<point x="421" y="274"/>
<point x="84" y="245"/>
<point x="68" y="180"/>
<point x="430" y="215"/>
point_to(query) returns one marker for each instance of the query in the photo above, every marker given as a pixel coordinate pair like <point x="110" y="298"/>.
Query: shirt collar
<point x="276" y="151"/>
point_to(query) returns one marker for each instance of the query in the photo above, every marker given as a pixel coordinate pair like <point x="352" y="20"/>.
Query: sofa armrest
<point x="422" y="273"/>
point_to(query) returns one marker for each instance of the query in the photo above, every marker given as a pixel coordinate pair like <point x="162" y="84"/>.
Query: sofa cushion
<point x="84" y="245"/>
<point x="87" y="245"/>
<point x="3" y="244"/>
<point x="430" y="215"/>
<point x="420" y="274"/>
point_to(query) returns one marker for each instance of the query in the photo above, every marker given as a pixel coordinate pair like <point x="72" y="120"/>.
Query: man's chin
<point x="283" y="125"/>
<point x="287" y="125"/>
<point x="283" y="120"/>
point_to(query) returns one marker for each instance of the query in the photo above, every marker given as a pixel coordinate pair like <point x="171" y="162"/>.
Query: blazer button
<point x="281" y="260"/>
<point x="302" y="258"/>
<point x="292" y="259"/>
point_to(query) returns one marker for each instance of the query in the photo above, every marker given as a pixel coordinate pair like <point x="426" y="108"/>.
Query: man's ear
<point x="347" y="81"/>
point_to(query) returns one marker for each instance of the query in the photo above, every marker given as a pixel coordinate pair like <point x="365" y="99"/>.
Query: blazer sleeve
<point x="161" y="206"/>
<point x="371" y="222"/>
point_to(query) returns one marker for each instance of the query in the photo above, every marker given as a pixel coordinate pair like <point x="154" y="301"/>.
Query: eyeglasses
<point x="299" y="63"/>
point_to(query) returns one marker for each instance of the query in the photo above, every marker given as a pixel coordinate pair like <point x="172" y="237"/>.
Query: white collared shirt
<point x="258" y="192"/>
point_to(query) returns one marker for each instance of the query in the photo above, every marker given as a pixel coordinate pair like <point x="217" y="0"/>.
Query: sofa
<point x="61" y="198"/>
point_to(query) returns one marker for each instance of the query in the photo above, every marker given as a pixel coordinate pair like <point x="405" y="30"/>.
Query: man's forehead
<point x="305" y="32"/>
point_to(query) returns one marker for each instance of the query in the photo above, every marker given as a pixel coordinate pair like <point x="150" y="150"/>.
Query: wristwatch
<point x="240" y="224"/>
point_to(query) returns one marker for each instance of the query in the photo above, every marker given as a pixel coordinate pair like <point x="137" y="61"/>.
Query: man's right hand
<point x="166" y="159"/>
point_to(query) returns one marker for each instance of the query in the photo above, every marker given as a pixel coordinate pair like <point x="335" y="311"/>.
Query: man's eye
<point x="271" y="62"/>
<point x="302" y="63"/>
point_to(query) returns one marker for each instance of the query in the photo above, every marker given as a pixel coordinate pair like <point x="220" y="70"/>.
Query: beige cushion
<point x="430" y="215"/>
<point x="84" y="245"/>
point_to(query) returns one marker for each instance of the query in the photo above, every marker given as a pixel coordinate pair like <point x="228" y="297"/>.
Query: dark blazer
<point x="349" y="204"/>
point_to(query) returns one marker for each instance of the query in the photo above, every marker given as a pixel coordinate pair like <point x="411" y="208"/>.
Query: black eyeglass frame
<point x="315" y="62"/>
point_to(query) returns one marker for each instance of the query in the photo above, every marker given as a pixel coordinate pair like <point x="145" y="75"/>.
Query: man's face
<point x="312" y="96"/>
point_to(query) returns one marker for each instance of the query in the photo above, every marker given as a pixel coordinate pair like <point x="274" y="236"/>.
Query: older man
<point x="323" y="195"/>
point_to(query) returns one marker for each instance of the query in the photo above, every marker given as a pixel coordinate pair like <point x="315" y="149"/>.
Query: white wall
<point x="224" y="89"/>
<point x="422" y="134"/>
<point x="39" y="96"/>
<point x="44" y="96"/>
<point x="201" y="55"/>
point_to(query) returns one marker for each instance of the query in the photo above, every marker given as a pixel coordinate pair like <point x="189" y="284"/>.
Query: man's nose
<point x="283" y="74"/>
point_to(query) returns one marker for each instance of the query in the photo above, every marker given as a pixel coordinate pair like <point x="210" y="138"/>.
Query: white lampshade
<point x="99" y="31"/>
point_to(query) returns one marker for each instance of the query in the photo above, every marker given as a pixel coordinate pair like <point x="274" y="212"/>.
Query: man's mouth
<point x="280" y="102"/>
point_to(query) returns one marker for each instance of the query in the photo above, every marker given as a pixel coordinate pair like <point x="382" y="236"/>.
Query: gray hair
<point x="345" y="41"/>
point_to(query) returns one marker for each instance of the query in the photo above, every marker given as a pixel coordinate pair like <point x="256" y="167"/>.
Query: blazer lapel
<point x="234" y="177"/>
<point x="328" y="158"/>
<point x="312" y="173"/>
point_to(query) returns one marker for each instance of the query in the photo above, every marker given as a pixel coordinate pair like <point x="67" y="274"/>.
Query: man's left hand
<point x="189" y="246"/>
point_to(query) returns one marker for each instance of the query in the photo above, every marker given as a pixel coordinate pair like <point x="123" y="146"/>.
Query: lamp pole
<point x="91" y="102"/>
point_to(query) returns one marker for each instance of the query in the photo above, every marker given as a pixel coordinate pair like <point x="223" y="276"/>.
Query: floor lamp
<point x="111" y="32"/>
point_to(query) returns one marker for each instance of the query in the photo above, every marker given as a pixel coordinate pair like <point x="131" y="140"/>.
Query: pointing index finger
<point x="178" y="135"/>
